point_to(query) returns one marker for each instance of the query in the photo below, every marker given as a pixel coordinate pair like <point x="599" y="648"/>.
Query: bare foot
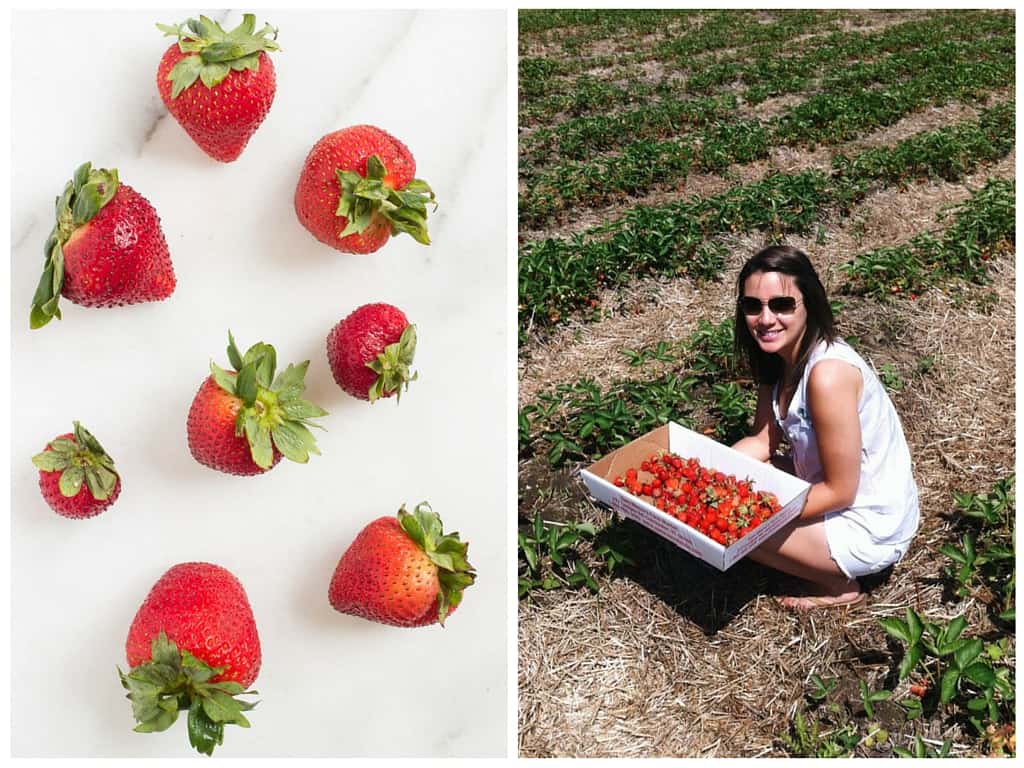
<point x="848" y="597"/>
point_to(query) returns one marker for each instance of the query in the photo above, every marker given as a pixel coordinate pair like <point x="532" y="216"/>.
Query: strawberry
<point x="192" y="646"/>
<point x="76" y="475"/>
<point x="370" y="352"/>
<point x="106" y="249"/>
<point x="243" y="421"/>
<point x="236" y="84"/>
<point x="357" y="189"/>
<point x="402" y="571"/>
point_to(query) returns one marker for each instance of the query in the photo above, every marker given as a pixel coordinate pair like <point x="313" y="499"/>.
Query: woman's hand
<point x="759" y="444"/>
<point x="833" y="395"/>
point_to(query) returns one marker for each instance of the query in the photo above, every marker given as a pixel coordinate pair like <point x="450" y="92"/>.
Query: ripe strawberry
<point x="192" y="645"/>
<point x="223" y="111"/>
<point x="357" y="189"/>
<point x="370" y="352"/>
<point x="402" y="571"/>
<point x="106" y="249"/>
<point x="76" y="475"/>
<point x="242" y="421"/>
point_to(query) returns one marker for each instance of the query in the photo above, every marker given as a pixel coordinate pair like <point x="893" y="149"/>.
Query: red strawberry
<point x="357" y="189"/>
<point x="192" y="645"/>
<point x="76" y="475"/>
<point x="236" y="88"/>
<point x="370" y="352"/>
<point x="242" y="421"/>
<point x="402" y="571"/>
<point x="106" y="249"/>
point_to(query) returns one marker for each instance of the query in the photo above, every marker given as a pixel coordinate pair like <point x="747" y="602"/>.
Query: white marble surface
<point x="330" y="685"/>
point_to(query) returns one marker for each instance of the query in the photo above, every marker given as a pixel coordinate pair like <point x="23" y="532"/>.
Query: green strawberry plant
<point x="549" y="557"/>
<point x="919" y="749"/>
<point x="968" y="681"/>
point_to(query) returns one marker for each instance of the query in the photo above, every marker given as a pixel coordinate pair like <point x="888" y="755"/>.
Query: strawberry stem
<point x="174" y="680"/>
<point x="363" y="197"/>
<point x="273" y="412"/>
<point x="216" y="52"/>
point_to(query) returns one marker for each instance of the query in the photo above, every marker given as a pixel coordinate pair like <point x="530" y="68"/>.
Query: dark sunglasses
<point x="779" y="305"/>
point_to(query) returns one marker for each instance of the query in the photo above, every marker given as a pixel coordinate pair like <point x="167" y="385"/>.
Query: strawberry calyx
<point x="216" y="52"/>
<point x="273" y="412"/>
<point x="174" y="680"/>
<point x="88" y="191"/>
<point x="445" y="551"/>
<point x="392" y="366"/>
<point x="362" y="197"/>
<point x="81" y="460"/>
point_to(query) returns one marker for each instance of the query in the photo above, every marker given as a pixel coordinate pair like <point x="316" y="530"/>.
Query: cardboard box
<point x="791" y="491"/>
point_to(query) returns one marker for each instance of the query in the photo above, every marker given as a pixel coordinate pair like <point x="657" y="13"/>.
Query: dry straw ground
<point x="678" y="659"/>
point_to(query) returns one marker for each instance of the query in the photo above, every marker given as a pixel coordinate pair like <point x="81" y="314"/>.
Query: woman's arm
<point x="833" y="394"/>
<point x="758" y="445"/>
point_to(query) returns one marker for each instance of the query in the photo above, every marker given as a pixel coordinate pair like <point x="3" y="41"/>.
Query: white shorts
<point x="855" y="551"/>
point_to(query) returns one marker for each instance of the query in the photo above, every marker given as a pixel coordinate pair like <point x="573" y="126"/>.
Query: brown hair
<point x="767" y="368"/>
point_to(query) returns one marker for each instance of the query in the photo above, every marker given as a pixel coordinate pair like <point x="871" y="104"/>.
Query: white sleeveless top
<point x="876" y="529"/>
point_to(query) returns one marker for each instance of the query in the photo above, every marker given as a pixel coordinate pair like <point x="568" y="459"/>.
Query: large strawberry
<point x="370" y="352"/>
<point x="76" y="476"/>
<point x="357" y="189"/>
<point x="219" y="85"/>
<point x="106" y="249"/>
<point x="403" y="571"/>
<point x="243" y="421"/>
<point x="192" y="646"/>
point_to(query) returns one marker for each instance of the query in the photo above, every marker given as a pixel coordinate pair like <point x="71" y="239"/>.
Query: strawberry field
<point x="657" y="151"/>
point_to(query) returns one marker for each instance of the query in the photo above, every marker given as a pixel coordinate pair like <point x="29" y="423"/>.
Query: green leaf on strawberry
<point x="392" y="366"/>
<point x="362" y="197"/>
<point x="273" y="413"/>
<point x="174" y="680"/>
<point x="83" y="197"/>
<point x="216" y="52"/>
<point x="445" y="551"/>
<point x="81" y="460"/>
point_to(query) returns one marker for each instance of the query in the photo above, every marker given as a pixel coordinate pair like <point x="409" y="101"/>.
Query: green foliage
<point x="971" y="680"/>
<point x="985" y="557"/>
<point x="984" y="224"/>
<point x="918" y="749"/>
<point x="806" y="739"/>
<point x="549" y="557"/>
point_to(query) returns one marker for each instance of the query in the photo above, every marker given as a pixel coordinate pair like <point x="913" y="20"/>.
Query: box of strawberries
<point x="706" y="498"/>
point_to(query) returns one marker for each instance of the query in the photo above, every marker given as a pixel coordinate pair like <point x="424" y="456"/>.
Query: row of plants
<point x="558" y="276"/>
<point x="582" y="137"/>
<point x="830" y="119"/>
<point x="984" y="225"/>
<point x="599" y="23"/>
<point x="719" y="29"/>
<point x="939" y="669"/>
<point x="760" y="71"/>
<point x="702" y="390"/>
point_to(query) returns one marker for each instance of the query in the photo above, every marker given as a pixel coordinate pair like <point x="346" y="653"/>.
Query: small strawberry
<point x="106" y="249"/>
<point x="242" y="421"/>
<point x="192" y="646"/>
<point x="76" y="475"/>
<point x="223" y="111"/>
<point x="370" y="352"/>
<point x="402" y="571"/>
<point x="357" y="189"/>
